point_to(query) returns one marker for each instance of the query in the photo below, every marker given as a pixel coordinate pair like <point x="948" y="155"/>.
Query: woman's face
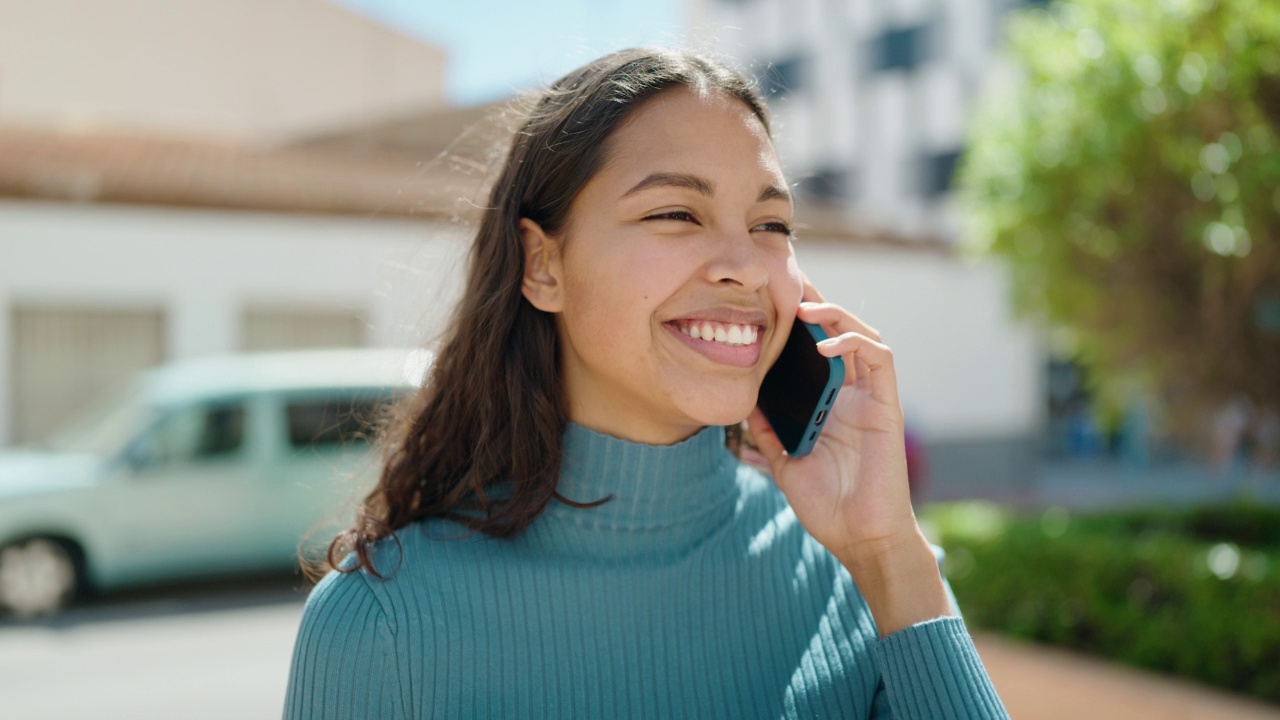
<point x="675" y="284"/>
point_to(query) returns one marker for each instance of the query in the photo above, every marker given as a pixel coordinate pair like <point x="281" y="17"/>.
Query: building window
<point x="938" y="172"/>
<point x="826" y="184"/>
<point x="900" y="49"/>
<point x="62" y="355"/>
<point x="783" y="77"/>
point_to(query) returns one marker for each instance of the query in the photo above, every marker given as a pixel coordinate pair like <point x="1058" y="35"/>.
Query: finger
<point x="876" y="358"/>
<point x="860" y="365"/>
<point x="856" y="372"/>
<point x="833" y="316"/>
<point x="766" y="439"/>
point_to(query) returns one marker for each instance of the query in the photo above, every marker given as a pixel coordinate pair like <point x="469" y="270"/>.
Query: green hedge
<point x="1194" y="593"/>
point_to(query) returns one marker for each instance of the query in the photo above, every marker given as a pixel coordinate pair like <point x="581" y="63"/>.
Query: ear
<point x="543" y="270"/>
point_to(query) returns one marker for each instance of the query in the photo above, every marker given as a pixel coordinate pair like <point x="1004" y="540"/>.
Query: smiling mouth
<point x="732" y="334"/>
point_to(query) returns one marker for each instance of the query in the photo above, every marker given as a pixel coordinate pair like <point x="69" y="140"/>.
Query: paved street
<point x="222" y="651"/>
<point x="210" y="652"/>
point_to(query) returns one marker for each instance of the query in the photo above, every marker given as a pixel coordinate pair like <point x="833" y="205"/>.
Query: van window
<point x="322" y="422"/>
<point x="196" y="434"/>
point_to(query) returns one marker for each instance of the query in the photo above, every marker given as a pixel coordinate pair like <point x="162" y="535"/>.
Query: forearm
<point x="900" y="581"/>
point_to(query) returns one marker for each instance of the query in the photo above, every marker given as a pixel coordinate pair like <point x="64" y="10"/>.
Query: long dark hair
<point x="492" y="409"/>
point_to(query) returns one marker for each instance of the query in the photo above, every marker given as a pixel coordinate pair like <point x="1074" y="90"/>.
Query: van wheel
<point x="38" y="576"/>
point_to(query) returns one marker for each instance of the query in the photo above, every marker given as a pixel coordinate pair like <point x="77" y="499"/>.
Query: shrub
<point x="1195" y="593"/>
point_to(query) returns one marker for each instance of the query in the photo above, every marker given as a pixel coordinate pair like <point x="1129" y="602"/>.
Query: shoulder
<point x="761" y="503"/>
<point x="345" y="656"/>
<point x="771" y="527"/>
<point x="345" y="629"/>
<point x="421" y="557"/>
<point x="770" y="524"/>
<point x="356" y="600"/>
<point x="808" y="581"/>
<point x="346" y="598"/>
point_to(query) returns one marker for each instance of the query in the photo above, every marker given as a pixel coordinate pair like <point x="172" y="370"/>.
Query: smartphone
<point x="800" y="388"/>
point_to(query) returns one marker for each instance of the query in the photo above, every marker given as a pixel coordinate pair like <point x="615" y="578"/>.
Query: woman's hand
<point x="851" y="491"/>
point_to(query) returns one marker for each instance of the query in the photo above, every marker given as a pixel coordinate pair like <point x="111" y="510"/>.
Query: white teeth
<point x="727" y="334"/>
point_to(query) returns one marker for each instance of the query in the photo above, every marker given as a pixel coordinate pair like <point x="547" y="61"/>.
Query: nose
<point x="738" y="262"/>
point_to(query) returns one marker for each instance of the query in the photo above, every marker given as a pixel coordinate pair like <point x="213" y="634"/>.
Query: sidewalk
<point x="1093" y="485"/>
<point x="1102" y="485"/>
<point x="1044" y="683"/>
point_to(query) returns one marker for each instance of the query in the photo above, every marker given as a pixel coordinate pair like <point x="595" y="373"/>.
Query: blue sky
<point x="496" y="47"/>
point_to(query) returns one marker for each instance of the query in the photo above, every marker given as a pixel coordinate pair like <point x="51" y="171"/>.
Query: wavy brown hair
<point x="492" y="409"/>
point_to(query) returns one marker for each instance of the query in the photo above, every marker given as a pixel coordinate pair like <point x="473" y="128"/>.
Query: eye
<point x="683" y="215"/>
<point x="775" y="227"/>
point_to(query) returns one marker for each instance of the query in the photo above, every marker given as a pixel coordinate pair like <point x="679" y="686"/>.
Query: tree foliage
<point x="1129" y="173"/>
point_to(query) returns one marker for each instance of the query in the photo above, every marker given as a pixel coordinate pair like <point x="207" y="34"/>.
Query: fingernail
<point x="827" y="343"/>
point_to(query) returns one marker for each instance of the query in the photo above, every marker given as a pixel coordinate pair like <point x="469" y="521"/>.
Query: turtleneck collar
<point x="665" y="497"/>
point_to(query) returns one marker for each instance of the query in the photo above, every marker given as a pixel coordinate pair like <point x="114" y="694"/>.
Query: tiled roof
<point x="826" y="223"/>
<point x="151" y="170"/>
<point x="365" y="178"/>
<point x="476" y="130"/>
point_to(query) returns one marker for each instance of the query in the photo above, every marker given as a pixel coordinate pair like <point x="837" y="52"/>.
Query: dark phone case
<point x="798" y="391"/>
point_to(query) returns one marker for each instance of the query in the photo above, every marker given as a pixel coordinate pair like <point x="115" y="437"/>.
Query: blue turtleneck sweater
<point x="693" y="593"/>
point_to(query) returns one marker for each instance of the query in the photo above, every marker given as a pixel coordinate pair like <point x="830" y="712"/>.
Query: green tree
<point x="1129" y="173"/>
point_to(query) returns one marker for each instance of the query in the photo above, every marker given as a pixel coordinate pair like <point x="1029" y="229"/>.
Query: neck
<point x="624" y="423"/>
<point x="665" y="498"/>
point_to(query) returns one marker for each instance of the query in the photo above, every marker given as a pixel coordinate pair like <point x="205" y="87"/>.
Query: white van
<point x="202" y="467"/>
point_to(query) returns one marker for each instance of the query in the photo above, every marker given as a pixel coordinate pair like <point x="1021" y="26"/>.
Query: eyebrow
<point x="699" y="185"/>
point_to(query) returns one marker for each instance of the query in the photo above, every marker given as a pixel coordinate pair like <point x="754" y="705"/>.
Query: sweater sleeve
<point x="932" y="670"/>
<point x="344" y="660"/>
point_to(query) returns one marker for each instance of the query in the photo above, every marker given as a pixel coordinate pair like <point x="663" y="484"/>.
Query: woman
<point x="561" y="528"/>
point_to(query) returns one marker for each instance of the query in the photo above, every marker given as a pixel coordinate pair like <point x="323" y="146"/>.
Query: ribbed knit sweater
<point x="693" y="593"/>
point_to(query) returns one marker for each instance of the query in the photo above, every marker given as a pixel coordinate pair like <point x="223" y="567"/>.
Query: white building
<point x="142" y="218"/>
<point x="120" y="252"/>
<point x="871" y="98"/>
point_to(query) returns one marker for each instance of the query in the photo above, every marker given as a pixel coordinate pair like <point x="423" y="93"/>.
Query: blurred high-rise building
<point x="870" y="97"/>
